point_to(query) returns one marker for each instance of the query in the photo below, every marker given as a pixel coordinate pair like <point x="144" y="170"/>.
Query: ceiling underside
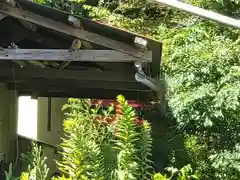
<point x="79" y="79"/>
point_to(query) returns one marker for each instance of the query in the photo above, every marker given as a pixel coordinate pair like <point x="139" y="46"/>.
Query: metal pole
<point x="200" y="12"/>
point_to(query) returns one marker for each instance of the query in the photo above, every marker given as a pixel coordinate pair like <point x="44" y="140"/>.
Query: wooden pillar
<point x="49" y="127"/>
<point x="8" y="123"/>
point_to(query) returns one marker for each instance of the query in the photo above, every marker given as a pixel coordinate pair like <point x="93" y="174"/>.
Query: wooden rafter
<point x="42" y="84"/>
<point x="64" y="55"/>
<point x="96" y="93"/>
<point x="20" y="74"/>
<point x="75" y="32"/>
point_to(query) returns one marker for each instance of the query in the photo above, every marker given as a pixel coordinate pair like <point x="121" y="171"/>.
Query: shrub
<point x="97" y="150"/>
<point x="37" y="169"/>
<point x="201" y="64"/>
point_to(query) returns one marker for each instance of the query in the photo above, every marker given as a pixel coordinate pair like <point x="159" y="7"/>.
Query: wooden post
<point x="8" y="123"/>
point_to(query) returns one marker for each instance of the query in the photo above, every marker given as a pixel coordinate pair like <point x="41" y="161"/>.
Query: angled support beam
<point x="75" y="32"/>
<point x="64" y="55"/>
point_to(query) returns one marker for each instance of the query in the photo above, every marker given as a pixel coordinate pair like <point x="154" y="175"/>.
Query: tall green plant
<point x="37" y="168"/>
<point x="185" y="173"/>
<point x="82" y="157"/>
<point x="133" y="142"/>
<point x="92" y="149"/>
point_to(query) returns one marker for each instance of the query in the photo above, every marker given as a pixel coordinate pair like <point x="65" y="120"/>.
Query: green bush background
<point x="201" y="63"/>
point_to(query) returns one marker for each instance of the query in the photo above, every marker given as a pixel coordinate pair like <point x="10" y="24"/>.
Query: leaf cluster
<point x="95" y="150"/>
<point x="201" y="65"/>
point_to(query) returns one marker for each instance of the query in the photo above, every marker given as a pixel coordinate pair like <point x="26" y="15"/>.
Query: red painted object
<point x="118" y="110"/>
<point x="108" y="102"/>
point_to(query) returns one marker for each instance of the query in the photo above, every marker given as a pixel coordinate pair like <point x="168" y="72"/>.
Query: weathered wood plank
<point x="51" y="74"/>
<point x="78" y="33"/>
<point x="64" y="55"/>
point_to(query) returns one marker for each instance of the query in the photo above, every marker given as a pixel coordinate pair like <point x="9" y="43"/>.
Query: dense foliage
<point x="98" y="149"/>
<point x="94" y="149"/>
<point x="202" y="67"/>
<point x="37" y="169"/>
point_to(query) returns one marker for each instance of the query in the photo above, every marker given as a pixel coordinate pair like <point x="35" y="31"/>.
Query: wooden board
<point x="93" y="93"/>
<point x="20" y="74"/>
<point x="64" y="55"/>
<point x="78" y="33"/>
<point x="76" y="84"/>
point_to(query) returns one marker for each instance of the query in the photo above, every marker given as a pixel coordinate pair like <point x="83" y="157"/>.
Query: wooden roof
<point x="102" y="72"/>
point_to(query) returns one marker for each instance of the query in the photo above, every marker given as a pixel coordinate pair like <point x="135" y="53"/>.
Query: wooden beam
<point x="156" y="60"/>
<point x="64" y="55"/>
<point x="95" y="93"/>
<point x="59" y="84"/>
<point x="75" y="32"/>
<point x="20" y="74"/>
